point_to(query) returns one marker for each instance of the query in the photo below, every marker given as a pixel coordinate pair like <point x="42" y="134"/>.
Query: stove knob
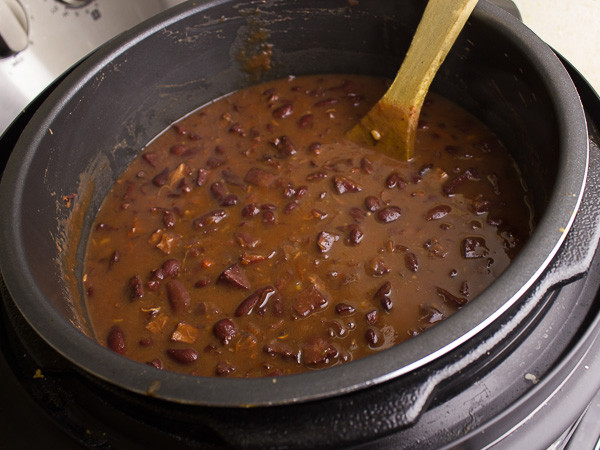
<point x="13" y="28"/>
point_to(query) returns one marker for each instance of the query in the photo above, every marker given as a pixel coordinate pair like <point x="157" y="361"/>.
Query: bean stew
<point x="251" y="239"/>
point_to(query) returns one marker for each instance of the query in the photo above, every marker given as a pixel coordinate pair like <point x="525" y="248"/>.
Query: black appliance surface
<point x="530" y="393"/>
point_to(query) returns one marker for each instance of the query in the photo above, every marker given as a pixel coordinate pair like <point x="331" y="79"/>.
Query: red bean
<point x="355" y="235"/>
<point x="392" y="180"/>
<point x="156" y="363"/>
<point x="315" y="148"/>
<point x="225" y="330"/>
<point x="171" y="268"/>
<point x="268" y="217"/>
<point x="201" y="177"/>
<point x="384" y="289"/>
<point x="183" y="355"/>
<point x="366" y="165"/>
<point x="223" y="369"/>
<point x="202" y="282"/>
<point x="343" y="185"/>
<point x="179" y="297"/>
<point x="258" y="299"/>
<point x="168" y="219"/>
<point x="178" y="149"/>
<point x="305" y="121"/>
<point x="389" y="214"/>
<point x="410" y="259"/>
<point x="218" y="190"/>
<point x="209" y="219"/>
<point x="229" y="200"/>
<point x="474" y="247"/>
<point x="372" y="203"/>
<point x="160" y="179"/>
<point x="283" y="111"/>
<point x="344" y="309"/>
<point x="437" y="212"/>
<point x="136" y="288"/>
<point x="285" y="146"/>
<point x="452" y="186"/>
<point x="372" y="338"/>
<point x="250" y="210"/>
<point x="326" y="102"/>
<point x="116" y="340"/>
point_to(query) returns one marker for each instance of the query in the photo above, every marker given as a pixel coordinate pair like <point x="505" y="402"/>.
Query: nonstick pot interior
<point x="99" y="118"/>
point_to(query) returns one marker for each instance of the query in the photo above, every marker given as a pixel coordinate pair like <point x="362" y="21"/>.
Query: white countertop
<point x="571" y="27"/>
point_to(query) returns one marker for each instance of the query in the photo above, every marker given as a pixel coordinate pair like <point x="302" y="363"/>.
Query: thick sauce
<point x="252" y="239"/>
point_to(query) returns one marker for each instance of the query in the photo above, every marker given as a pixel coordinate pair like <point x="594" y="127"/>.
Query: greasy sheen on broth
<point x="252" y="239"/>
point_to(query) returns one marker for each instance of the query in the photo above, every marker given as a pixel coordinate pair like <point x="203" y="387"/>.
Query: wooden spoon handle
<point x="391" y="125"/>
<point x="438" y="29"/>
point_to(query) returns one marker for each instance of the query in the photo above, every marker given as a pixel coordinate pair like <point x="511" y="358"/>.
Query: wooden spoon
<point x="391" y="124"/>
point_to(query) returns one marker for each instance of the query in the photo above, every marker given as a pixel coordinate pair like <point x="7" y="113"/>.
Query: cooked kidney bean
<point x="438" y="212"/>
<point x="389" y="214"/>
<point x="258" y="299"/>
<point x="366" y="165"/>
<point x="474" y="247"/>
<point x="136" y="288"/>
<point x="372" y="203"/>
<point x="410" y="259"/>
<point x="283" y="111"/>
<point x="116" y="340"/>
<point x="344" y="309"/>
<point x="160" y="179"/>
<point x="305" y="121"/>
<point x="179" y="297"/>
<point x="355" y="235"/>
<point x="156" y="363"/>
<point x="225" y="330"/>
<point x="285" y="146"/>
<point x="452" y="186"/>
<point x="206" y="221"/>
<point x="223" y="369"/>
<point x="182" y="355"/>
<point x="171" y="268"/>
<point x="201" y="177"/>
<point x="372" y="337"/>
<point x="345" y="184"/>
<point x="271" y="268"/>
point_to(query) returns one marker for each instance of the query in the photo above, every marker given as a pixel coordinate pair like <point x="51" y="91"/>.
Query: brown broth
<point x="252" y="239"/>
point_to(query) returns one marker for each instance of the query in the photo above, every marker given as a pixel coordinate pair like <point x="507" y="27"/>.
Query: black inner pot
<point x="98" y="119"/>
